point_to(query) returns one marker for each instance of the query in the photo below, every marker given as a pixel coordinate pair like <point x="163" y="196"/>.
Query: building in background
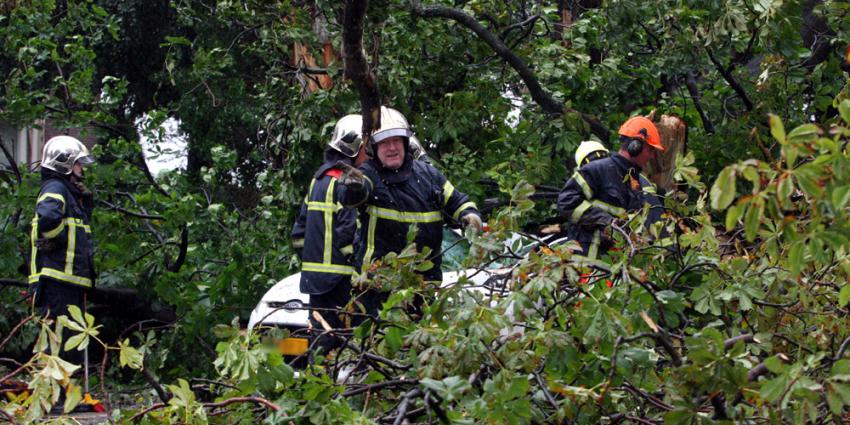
<point x="25" y="144"/>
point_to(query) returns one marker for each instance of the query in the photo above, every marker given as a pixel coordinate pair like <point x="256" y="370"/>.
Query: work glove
<point x="472" y="224"/>
<point x="351" y="177"/>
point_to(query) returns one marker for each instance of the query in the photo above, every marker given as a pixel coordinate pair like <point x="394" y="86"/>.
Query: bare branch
<point x="11" y="161"/>
<point x="356" y="66"/>
<point x="540" y="96"/>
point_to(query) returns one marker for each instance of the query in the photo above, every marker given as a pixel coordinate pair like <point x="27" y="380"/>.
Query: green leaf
<point x="840" y="195"/>
<point x="723" y="190"/>
<point x="77" y="315"/>
<point x="80" y="340"/>
<point x="129" y="356"/>
<point x="804" y="133"/>
<point x="732" y="216"/>
<point x="774" y="388"/>
<point x="844" y="295"/>
<point x="777" y="129"/>
<point x="795" y="257"/>
<point x="844" y="110"/>
<point x="752" y="220"/>
<point x="72" y="398"/>
<point x="393" y="338"/>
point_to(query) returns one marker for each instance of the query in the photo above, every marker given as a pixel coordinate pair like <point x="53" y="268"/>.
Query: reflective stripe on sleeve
<point x="457" y="212"/>
<point x="579" y="211"/>
<point x="33" y="237"/>
<point x="370" y="242"/>
<point x="448" y="190"/>
<point x="298" y="243"/>
<point x="610" y="209"/>
<point x="582" y="183"/>
<point x="56" y="196"/>
<point x="329" y="223"/>
<point x="593" y="251"/>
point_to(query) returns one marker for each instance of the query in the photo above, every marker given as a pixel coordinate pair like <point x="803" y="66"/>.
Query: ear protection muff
<point x="634" y="147"/>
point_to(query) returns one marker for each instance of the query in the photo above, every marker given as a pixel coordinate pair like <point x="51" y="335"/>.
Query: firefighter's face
<point x="77" y="171"/>
<point x="645" y="156"/>
<point x="391" y="152"/>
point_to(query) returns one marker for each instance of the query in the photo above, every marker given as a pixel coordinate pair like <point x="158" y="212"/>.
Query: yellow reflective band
<point x="327" y="268"/>
<point x="665" y="242"/>
<point x="448" y="190"/>
<point x="329" y="222"/>
<point x="55" y="232"/>
<point x="56" y="196"/>
<point x="582" y="183"/>
<point x="610" y="209"/>
<point x="66" y="277"/>
<point x="406" y="216"/>
<point x="457" y="212"/>
<point x="347" y="250"/>
<point x="33" y="237"/>
<point x="298" y="243"/>
<point x="72" y="244"/>
<point x="579" y="211"/>
<point x="370" y="242"/>
<point x="593" y="251"/>
<point x="323" y="206"/>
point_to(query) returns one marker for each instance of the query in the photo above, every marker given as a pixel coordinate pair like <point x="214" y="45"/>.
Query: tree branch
<point x="691" y="84"/>
<point x="356" y="66"/>
<point x="727" y="75"/>
<point x="12" y="163"/>
<point x="540" y="96"/>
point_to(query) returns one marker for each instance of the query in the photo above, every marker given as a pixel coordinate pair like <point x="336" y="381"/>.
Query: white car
<point x="285" y="306"/>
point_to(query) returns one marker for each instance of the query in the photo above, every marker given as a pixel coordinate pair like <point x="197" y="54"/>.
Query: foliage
<point x="744" y="320"/>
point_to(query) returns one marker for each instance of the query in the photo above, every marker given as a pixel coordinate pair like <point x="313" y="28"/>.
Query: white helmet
<point x="62" y="152"/>
<point x="393" y="123"/>
<point x="347" y="135"/>
<point x="588" y="147"/>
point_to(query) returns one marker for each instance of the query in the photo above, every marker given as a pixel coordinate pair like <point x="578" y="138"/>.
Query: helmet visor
<point x="392" y="132"/>
<point x="85" y="160"/>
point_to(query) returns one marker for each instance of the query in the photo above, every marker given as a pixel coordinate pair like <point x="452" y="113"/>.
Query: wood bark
<point x="357" y="67"/>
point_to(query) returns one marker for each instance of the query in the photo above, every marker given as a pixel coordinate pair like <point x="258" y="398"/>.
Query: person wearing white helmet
<point x="324" y="232"/>
<point x="62" y="262"/>
<point x="393" y="192"/>
<point x="589" y="151"/>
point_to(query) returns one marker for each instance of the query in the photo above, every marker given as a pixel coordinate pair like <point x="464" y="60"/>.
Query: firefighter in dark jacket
<point x="393" y="191"/>
<point x="606" y="189"/>
<point x="325" y="231"/>
<point x="62" y="263"/>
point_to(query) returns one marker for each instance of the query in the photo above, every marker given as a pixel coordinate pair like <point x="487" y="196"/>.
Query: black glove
<point x="351" y="177"/>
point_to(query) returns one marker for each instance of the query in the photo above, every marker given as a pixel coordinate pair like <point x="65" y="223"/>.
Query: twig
<point x="379" y="385"/>
<point x="747" y="338"/>
<point x="405" y="401"/>
<point x="130" y="213"/>
<point x="16" y="328"/>
<point x="838" y="355"/>
<point x="9" y="417"/>
<point x="257" y="400"/>
<point x="212" y="382"/>
<point x="144" y="412"/>
<point x="540" y="96"/>
<point x="11" y="161"/>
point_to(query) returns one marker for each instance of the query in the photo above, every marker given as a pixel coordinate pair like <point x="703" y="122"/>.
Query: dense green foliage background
<point x="770" y="259"/>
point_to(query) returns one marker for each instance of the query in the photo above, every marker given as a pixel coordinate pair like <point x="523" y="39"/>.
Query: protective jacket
<point x="327" y="231"/>
<point x="61" y="240"/>
<point x="392" y="200"/>
<point x="601" y="191"/>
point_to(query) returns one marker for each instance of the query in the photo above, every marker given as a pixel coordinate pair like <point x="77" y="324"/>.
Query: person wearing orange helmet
<point x="609" y="188"/>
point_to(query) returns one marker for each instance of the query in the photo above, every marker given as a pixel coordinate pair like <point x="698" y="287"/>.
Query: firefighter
<point x="325" y="232"/>
<point x="393" y="191"/>
<point x="605" y="188"/>
<point x="62" y="262"/>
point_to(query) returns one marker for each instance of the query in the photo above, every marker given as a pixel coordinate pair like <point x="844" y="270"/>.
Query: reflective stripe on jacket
<point x="393" y="200"/>
<point x="61" y="241"/>
<point x="601" y="191"/>
<point x="328" y="232"/>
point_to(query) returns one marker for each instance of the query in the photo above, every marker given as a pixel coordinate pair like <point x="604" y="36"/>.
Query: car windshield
<point x="455" y="249"/>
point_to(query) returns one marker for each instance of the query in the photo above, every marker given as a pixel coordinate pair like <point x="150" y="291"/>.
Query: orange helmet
<point x="642" y="128"/>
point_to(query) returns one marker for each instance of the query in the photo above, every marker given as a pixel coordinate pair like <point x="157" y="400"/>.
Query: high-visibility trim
<point x="58" y="275"/>
<point x="298" y="243"/>
<point x="460" y="209"/>
<point x="56" y="196"/>
<point x="329" y="222"/>
<point x="610" y="209"/>
<point x="72" y="245"/>
<point x="72" y="222"/>
<point x="327" y="268"/>
<point x="33" y="237"/>
<point x="347" y="250"/>
<point x="370" y="241"/>
<point x="448" y="190"/>
<point x="593" y="251"/>
<point x="405" y="216"/>
<point x="582" y="183"/>
<point x="323" y="206"/>
<point x="579" y="211"/>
